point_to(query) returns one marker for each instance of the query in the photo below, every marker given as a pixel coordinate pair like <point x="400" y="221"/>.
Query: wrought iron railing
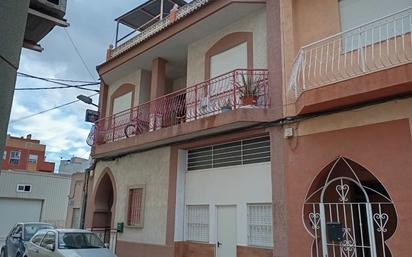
<point x="228" y="92"/>
<point x="159" y="26"/>
<point x="375" y="46"/>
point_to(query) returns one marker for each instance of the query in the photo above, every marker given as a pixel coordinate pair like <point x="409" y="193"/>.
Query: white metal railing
<point x="160" y="25"/>
<point x="378" y="45"/>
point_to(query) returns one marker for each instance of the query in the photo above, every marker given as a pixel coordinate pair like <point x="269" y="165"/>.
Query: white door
<point x="13" y="211"/>
<point x="226" y="231"/>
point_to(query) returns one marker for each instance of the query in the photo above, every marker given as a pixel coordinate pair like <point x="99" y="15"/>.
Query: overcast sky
<point x="64" y="131"/>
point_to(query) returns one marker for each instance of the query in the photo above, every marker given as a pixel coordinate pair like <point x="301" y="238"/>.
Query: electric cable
<point x="48" y="110"/>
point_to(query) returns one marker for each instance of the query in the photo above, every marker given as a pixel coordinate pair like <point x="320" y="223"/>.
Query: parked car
<point x="66" y="243"/>
<point x="14" y="245"/>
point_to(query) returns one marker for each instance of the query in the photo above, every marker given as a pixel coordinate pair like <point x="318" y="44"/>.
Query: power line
<point x="56" y="81"/>
<point x="61" y="87"/>
<point x="78" y="53"/>
<point x="53" y="79"/>
<point x="48" y="110"/>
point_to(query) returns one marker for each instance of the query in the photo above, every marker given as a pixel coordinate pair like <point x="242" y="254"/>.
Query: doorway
<point x="226" y="231"/>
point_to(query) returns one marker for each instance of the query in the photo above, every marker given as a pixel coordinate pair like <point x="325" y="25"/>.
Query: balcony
<point x="238" y="97"/>
<point x="368" y="62"/>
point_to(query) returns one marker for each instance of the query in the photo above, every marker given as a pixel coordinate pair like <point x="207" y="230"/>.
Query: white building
<point x="74" y="165"/>
<point x="32" y="196"/>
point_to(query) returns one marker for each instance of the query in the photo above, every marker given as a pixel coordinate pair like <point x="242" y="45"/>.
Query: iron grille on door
<point x="259" y="217"/>
<point x="240" y="152"/>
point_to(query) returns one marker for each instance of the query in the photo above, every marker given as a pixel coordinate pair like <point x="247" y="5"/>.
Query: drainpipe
<point x="12" y="28"/>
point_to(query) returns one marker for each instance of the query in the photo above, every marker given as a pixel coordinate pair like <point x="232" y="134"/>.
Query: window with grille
<point x="240" y="152"/>
<point x="197" y="223"/>
<point x="135" y="210"/>
<point x="15" y="157"/>
<point x="260" y="224"/>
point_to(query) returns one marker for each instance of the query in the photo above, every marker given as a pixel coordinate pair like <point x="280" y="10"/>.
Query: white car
<point x="66" y="243"/>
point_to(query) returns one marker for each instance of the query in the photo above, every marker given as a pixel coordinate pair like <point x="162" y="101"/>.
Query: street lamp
<point x="86" y="99"/>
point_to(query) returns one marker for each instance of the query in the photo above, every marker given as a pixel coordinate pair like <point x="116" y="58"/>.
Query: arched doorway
<point x="348" y="212"/>
<point x="104" y="206"/>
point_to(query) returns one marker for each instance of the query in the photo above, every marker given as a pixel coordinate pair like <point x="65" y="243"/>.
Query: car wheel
<point x="18" y="255"/>
<point x="2" y="253"/>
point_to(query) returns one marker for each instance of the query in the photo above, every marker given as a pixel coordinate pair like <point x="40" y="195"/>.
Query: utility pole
<point x="13" y="16"/>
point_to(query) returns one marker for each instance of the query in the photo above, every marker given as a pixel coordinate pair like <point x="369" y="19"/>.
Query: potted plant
<point x="227" y="106"/>
<point x="248" y="91"/>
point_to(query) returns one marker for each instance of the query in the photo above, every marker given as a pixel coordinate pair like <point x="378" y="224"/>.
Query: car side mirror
<point x="106" y="245"/>
<point x="50" y="247"/>
<point x="17" y="236"/>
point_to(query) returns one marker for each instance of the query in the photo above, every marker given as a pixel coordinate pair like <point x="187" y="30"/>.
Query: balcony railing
<point x="159" y="26"/>
<point x="228" y="92"/>
<point x="372" y="47"/>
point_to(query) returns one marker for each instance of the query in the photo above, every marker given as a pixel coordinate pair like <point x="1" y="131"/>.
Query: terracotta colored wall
<point x="385" y="149"/>
<point x="245" y="251"/>
<point x="41" y="164"/>
<point x="191" y="249"/>
<point x="132" y="249"/>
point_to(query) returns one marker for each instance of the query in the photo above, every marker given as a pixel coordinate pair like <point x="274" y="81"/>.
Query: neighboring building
<point x="75" y="164"/>
<point x="257" y="128"/>
<point x="32" y="196"/>
<point x="25" y="154"/>
<point x="76" y="198"/>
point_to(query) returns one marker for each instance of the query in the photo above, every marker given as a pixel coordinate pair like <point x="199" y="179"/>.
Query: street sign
<point x="91" y="116"/>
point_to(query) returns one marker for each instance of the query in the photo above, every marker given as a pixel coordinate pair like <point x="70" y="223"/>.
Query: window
<point x="5" y="155"/>
<point x="229" y="60"/>
<point x="18" y="230"/>
<point x="37" y="238"/>
<point x="135" y="210"/>
<point x="15" y="157"/>
<point x="22" y="188"/>
<point x="33" y="158"/>
<point x="197" y="223"/>
<point x="241" y="152"/>
<point x="259" y="218"/>
<point x="49" y="239"/>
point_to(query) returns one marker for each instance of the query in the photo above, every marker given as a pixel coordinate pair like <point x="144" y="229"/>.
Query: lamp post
<point x="87" y="100"/>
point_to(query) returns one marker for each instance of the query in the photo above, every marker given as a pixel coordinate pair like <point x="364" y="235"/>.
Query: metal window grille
<point x="197" y="225"/>
<point x="240" y="152"/>
<point x="135" y="210"/>
<point x="260" y="224"/>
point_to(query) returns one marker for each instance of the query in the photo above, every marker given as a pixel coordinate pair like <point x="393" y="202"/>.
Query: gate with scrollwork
<point x="348" y="212"/>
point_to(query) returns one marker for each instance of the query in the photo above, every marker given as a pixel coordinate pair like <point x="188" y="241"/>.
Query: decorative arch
<point x="122" y="90"/>
<point x="348" y="212"/>
<point x="104" y="200"/>
<point x="227" y="42"/>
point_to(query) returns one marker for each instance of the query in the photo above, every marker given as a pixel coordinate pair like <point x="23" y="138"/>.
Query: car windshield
<point x="79" y="240"/>
<point x="31" y="229"/>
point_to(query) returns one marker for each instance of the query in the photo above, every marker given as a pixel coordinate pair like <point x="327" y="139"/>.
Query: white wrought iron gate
<point x="348" y="218"/>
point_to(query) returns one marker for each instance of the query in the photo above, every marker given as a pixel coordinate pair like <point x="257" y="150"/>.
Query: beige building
<point x="256" y="128"/>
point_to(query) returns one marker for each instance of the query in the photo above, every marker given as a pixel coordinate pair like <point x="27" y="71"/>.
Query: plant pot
<point x="249" y="100"/>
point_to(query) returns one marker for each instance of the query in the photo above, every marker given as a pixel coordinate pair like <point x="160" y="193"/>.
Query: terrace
<point x="364" y="63"/>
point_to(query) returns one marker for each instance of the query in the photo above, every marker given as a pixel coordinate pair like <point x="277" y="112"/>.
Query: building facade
<point x="25" y="154"/>
<point x="258" y="128"/>
<point x="74" y="165"/>
<point x="32" y="197"/>
<point x="76" y="200"/>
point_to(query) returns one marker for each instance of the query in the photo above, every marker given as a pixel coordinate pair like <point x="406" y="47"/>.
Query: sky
<point x="64" y="131"/>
